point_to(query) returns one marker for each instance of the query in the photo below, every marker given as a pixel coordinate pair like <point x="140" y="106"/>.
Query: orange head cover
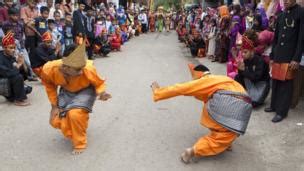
<point x="47" y="36"/>
<point x="247" y="43"/>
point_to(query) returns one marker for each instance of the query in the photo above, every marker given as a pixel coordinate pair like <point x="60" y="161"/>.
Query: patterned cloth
<point x="230" y="109"/>
<point x="84" y="99"/>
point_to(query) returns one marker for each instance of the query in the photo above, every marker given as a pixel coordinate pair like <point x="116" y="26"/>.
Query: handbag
<point x="282" y="72"/>
<point x="4" y="87"/>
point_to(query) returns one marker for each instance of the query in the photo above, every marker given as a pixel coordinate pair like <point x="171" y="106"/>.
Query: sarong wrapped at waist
<point x="83" y="99"/>
<point x="230" y="109"/>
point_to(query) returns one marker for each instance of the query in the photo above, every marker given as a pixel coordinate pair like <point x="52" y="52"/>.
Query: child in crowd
<point x="68" y="35"/>
<point x="56" y="35"/>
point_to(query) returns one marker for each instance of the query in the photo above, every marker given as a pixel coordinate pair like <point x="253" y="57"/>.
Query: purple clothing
<point x="17" y="28"/>
<point x="262" y="12"/>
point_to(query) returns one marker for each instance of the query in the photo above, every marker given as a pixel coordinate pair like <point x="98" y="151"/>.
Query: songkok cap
<point x="77" y="59"/>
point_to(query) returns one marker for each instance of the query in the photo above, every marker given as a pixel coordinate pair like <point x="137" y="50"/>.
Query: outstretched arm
<point x="202" y="88"/>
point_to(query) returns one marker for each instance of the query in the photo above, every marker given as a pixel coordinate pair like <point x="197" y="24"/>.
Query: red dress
<point x="116" y="42"/>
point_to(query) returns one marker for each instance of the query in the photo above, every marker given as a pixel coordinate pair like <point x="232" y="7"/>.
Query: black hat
<point x="83" y="2"/>
<point x="201" y="68"/>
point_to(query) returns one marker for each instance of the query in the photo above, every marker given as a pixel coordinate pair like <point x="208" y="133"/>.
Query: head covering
<point x="247" y="43"/>
<point x="13" y="11"/>
<point x="198" y="71"/>
<point x="8" y="39"/>
<point x="236" y="18"/>
<point x="266" y="37"/>
<point x="223" y="11"/>
<point x="47" y="36"/>
<point x="104" y="30"/>
<point x="77" y="59"/>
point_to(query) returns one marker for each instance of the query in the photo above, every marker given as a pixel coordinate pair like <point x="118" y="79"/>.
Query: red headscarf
<point x="8" y="39"/>
<point x="247" y="43"/>
<point x="47" y="36"/>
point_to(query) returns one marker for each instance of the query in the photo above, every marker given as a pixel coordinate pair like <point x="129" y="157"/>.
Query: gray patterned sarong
<point x="230" y="109"/>
<point x="84" y="99"/>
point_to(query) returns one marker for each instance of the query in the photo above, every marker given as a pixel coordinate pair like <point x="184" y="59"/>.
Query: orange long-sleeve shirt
<point x="52" y="78"/>
<point x="201" y="89"/>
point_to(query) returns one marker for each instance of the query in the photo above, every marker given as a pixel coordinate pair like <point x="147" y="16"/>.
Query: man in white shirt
<point x="143" y="20"/>
<point x="56" y="8"/>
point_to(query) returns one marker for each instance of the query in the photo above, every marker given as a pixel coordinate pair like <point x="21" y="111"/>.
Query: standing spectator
<point x="54" y="9"/>
<point x="286" y="53"/>
<point x="59" y="27"/>
<point x="211" y="40"/>
<point x="28" y="14"/>
<point x="90" y="23"/>
<point x="41" y="3"/>
<point x="79" y="20"/>
<point x="68" y="7"/>
<point x="17" y="28"/>
<point x="41" y="22"/>
<point x="56" y="35"/>
<point x="143" y="20"/>
<point x="223" y="40"/>
<point x="68" y="36"/>
<point x="4" y="10"/>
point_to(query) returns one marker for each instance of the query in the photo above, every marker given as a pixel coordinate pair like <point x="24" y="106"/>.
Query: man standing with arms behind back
<point x="285" y="58"/>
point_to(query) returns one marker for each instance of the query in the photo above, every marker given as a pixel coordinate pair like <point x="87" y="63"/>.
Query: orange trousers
<point x="217" y="141"/>
<point x="74" y="126"/>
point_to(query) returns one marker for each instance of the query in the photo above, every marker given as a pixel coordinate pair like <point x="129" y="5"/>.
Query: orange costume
<point x="75" y="123"/>
<point x="220" y="138"/>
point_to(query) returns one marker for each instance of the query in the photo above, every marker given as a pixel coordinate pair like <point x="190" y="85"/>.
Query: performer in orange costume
<point x="79" y="86"/>
<point x="226" y="111"/>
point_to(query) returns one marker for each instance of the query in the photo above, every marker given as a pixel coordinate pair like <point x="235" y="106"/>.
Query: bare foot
<point x="187" y="155"/>
<point x="229" y="148"/>
<point x="78" y="151"/>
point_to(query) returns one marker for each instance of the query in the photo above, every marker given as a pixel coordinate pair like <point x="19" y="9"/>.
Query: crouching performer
<point x="79" y="85"/>
<point x="226" y="111"/>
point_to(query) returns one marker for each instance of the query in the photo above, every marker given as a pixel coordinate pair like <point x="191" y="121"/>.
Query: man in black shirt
<point x="43" y="53"/>
<point x="10" y="70"/>
<point x="253" y="73"/>
<point x="287" y="50"/>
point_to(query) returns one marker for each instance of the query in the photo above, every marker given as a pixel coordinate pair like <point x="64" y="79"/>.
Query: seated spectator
<point x="102" y="44"/>
<point x="196" y="43"/>
<point x="116" y="40"/>
<point x="43" y="53"/>
<point x="182" y="33"/>
<point x="10" y="69"/>
<point x="253" y="73"/>
<point x="15" y="25"/>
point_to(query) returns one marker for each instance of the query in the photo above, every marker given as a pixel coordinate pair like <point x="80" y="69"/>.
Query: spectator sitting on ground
<point x="253" y="73"/>
<point x="43" y="53"/>
<point x="10" y="69"/>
